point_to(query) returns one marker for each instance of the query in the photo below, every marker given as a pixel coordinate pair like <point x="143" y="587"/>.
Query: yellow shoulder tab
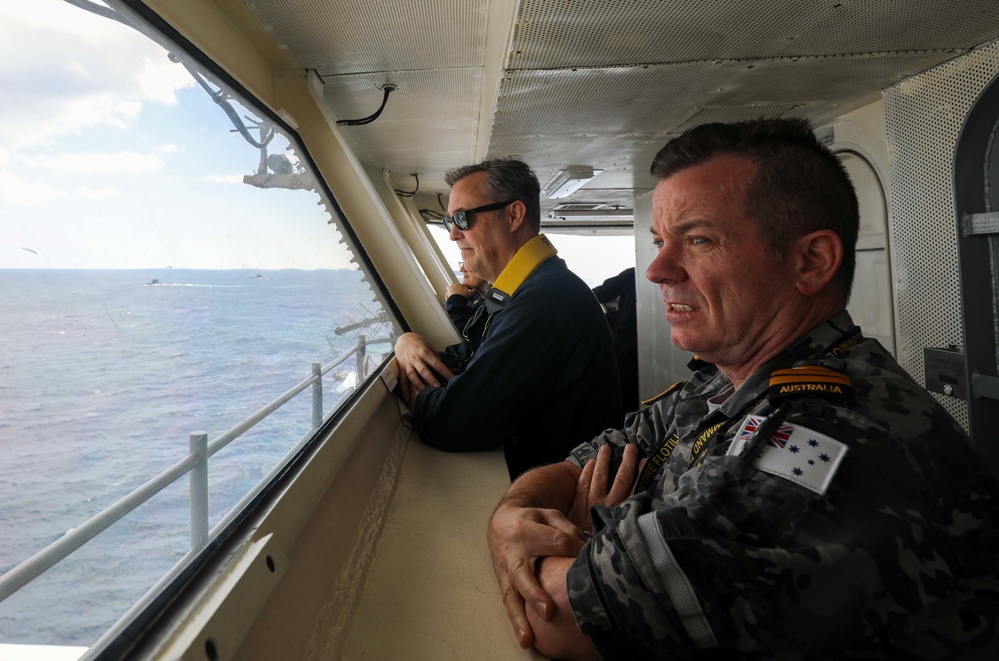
<point x="663" y="393"/>
<point x="530" y="256"/>
<point x="810" y="381"/>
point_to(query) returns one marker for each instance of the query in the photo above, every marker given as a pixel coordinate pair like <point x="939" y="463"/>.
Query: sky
<point x="112" y="156"/>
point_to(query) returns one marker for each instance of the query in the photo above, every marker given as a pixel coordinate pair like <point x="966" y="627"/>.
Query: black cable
<point x="221" y="99"/>
<point x="434" y="215"/>
<point x="370" y="118"/>
<point x="406" y="193"/>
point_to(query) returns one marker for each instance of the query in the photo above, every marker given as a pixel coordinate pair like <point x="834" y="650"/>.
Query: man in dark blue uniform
<point x="462" y="299"/>
<point x="544" y="378"/>
<point x="620" y="291"/>
<point x="464" y="303"/>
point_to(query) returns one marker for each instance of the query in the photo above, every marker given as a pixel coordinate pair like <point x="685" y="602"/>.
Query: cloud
<point x="85" y="109"/>
<point x="160" y="79"/>
<point x="17" y="191"/>
<point x="98" y="163"/>
<point x="102" y="193"/>
<point x="224" y="178"/>
<point x="21" y="192"/>
<point x="113" y="72"/>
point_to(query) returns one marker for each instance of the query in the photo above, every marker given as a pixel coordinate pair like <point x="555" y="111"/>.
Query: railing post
<point x="317" y="395"/>
<point x="198" y="444"/>
<point x="362" y="352"/>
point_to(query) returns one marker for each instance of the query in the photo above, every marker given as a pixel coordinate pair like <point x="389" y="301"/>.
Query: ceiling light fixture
<point x="568" y="181"/>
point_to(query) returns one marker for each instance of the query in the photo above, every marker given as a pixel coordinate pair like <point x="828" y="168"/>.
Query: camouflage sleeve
<point x="740" y="559"/>
<point x="644" y="428"/>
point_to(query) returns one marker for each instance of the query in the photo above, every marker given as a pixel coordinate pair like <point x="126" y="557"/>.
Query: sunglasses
<point x="460" y="218"/>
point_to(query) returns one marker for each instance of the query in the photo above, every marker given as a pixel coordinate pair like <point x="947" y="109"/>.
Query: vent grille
<point x="578" y="206"/>
<point x="550" y="33"/>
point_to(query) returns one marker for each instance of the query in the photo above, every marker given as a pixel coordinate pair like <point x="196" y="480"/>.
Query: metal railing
<point x="195" y="463"/>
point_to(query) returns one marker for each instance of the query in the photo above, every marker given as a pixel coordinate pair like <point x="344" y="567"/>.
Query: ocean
<point x="103" y="377"/>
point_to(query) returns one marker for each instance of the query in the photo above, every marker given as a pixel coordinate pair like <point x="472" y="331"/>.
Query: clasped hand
<point x="459" y="290"/>
<point x="592" y="486"/>
<point x="519" y="537"/>
<point x="419" y="366"/>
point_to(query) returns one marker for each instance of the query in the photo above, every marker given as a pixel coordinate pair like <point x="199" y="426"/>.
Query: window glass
<point x="168" y="265"/>
<point x="592" y="257"/>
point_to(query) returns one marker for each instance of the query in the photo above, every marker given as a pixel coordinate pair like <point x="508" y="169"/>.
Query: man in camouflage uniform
<point x="800" y="496"/>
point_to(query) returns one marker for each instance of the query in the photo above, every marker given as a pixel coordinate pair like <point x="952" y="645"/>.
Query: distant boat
<point x="153" y="282"/>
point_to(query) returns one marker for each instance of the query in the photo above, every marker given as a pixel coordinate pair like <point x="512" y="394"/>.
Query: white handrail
<point x="60" y="549"/>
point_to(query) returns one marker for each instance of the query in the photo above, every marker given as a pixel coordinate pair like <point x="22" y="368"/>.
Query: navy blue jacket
<point x="471" y="318"/>
<point x="544" y="379"/>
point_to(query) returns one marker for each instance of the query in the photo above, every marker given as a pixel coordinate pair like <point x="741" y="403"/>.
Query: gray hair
<point x="506" y="179"/>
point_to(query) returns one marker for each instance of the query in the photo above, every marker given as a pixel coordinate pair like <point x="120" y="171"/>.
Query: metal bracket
<point x="975" y="224"/>
<point x="984" y="386"/>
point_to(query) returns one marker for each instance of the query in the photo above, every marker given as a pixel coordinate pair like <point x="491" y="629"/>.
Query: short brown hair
<point x="799" y="187"/>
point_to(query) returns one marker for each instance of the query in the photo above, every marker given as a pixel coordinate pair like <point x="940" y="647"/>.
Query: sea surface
<point x="103" y="377"/>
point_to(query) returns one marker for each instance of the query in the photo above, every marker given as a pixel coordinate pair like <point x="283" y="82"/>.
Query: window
<point x="593" y="257"/>
<point x="168" y="265"/>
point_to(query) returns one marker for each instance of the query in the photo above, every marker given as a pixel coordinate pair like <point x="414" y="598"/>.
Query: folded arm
<point x="528" y="524"/>
<point x="558" y="637"/>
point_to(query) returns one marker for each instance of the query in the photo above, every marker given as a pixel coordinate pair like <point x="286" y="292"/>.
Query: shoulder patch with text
<point x="810" y="380"/>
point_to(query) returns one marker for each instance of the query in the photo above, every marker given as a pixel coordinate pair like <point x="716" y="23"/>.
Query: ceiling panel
<point x="357" y="36"/>
<point x="616" y="118"/>
<point x="654" y="99"/>
<point x="596" y="33"/>
<point x="603" y="83"/>
<point x="437" y="101"/>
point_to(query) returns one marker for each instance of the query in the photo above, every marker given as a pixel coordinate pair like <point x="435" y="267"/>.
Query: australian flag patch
<point x="794" y="453"/>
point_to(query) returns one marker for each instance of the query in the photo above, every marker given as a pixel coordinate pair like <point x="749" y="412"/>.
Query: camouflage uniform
<point x="898" y="558"/>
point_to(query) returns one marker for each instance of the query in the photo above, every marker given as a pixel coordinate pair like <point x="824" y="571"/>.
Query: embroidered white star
<point x="800" y="454"/>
